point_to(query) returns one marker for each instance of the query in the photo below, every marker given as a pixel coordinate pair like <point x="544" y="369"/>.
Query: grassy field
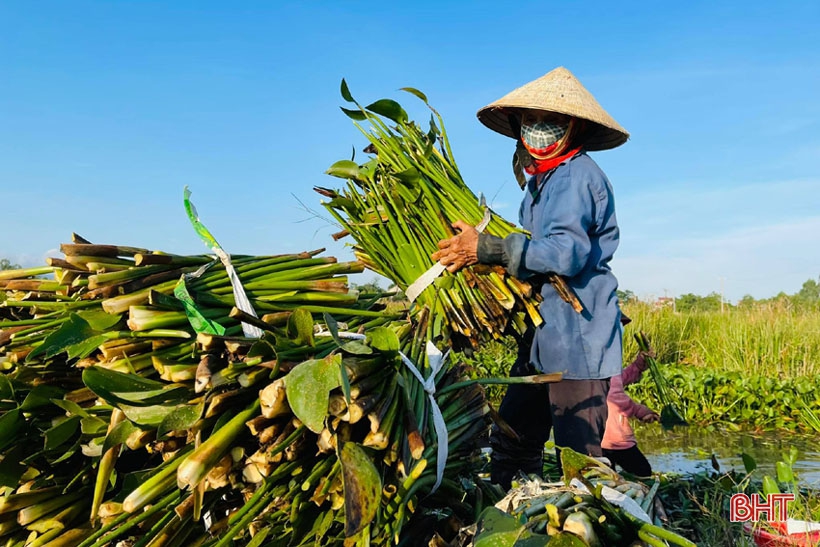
<point x="754" y="367"/>
<point x="777" y="338"/>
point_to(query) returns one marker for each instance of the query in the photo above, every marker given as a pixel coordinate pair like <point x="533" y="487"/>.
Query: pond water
<point x="689" y="450"/>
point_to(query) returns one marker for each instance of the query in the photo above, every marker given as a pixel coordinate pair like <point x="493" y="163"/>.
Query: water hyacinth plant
<point x="403" y="200"/>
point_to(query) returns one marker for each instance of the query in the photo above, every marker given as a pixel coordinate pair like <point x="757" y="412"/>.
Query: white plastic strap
<point x="427" y="278"/>
<point x="242" y="301"/>
<point x="436" y="360"/>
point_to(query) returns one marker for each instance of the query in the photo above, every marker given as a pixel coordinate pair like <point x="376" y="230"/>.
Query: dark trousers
<point x="575" y="409"/>
<point x="631" y="460"/>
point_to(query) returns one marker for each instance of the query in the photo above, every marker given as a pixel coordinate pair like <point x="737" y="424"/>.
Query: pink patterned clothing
<point x="618" y="434"/>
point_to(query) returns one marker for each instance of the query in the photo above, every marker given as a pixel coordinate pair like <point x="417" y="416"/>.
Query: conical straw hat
<point x="557" y="91"/>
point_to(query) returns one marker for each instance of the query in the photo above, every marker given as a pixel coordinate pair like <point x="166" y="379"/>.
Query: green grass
<point x="772" y="338"/>
<point x="755" y="367"/>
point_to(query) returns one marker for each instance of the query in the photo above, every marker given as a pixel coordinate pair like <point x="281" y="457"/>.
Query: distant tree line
<point x="807" y="297"/>
<point x="6" y="264"/>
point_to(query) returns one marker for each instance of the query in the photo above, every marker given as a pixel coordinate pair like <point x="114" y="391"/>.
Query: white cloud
<point x="761" y="238"/>
<point x="761" y="261"/>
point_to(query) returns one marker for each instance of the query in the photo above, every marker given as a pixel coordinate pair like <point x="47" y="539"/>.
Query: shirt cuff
<point x="491" y="250"/>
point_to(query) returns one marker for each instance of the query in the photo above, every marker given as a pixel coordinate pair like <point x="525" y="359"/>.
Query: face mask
<point x="539" y="134"/>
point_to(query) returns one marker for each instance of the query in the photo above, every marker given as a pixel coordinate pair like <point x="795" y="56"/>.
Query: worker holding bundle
<point x="619" y="443"/>
<point x="569" y="212"/>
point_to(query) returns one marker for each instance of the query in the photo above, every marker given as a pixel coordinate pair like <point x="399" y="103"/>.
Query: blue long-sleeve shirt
<point x="570" y="214"/>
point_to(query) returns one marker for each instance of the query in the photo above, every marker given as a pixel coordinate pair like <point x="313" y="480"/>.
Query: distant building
<point x="665" y="301"/>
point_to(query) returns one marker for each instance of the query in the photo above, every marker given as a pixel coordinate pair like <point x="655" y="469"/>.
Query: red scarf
<point x="542" y="166"/>
<point x="547" y="159"/>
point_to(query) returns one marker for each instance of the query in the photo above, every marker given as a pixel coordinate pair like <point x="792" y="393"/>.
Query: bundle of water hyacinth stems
<point x="403" y="200"/>
<point x="671" y="414"/>
<point x="120" y="422"/>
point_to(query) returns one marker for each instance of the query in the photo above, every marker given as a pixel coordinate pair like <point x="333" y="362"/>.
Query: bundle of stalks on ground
<point x="120" y="423"/>
<point x="403" y="200"/>
<point x="593" y="506"/>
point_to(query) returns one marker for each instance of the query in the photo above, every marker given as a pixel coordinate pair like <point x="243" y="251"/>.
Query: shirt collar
<point x="538" y="181"/>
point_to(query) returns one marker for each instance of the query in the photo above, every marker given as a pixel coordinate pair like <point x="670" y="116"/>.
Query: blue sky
<point x="108" y="109"/>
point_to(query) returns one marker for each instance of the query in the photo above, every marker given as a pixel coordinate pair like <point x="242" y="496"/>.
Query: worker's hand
<point x="650" y="418"/>
<point x="642" y="361"/>
<point x="458" y="251"/>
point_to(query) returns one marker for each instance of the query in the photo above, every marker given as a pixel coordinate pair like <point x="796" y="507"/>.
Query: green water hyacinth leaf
<point x="416" y="92"/>
<point x="785" y="473"/>
<point x="131" y="389"/>
<point x="346" y="92"/>
<point x="300" y="327"/>
<point x="93" y="426"/>
<point x="362" y="488"/>
<point x="791" y="457"/>
<point x="445" y="282"/>
<point x="332" y="326"/>
<point x="86" y="347"/>
<point x="147" y="416"/>
<point x="344" y="203"/>
<point x="119" y="434"/>
<point x="99" y="320"/>
<point x="10" y="467"/>
<point x="368" y="169"/>
<point x="73" y="331"/>
<point x="409" y="177"/>
<point x="770" y="486"/>
<point x="259" y="538"/>
<point x="566" y="539"/>
<point x="383" y="339"/>
<point x="308" y="387"/>
<point x="497" y="529"/>
<point x="357" y="115"/>
<point x="389" y="109"/>
<point x="529" y="538"/>
<point x="749" y="463"/>
<point x="197" y="320"/>
<point x="263" y="347"/>
<point x="10" y="423"/>
<point x="61" y="433"/>
<point x="40" y="396"/>
<point x="355" y="347"/>
<point x="182" y="418"/>
<point x="6" y="389"/>
<point x="344" y="169"/>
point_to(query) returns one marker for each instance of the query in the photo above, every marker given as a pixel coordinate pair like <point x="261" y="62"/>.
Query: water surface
<point x="689" y="449"/>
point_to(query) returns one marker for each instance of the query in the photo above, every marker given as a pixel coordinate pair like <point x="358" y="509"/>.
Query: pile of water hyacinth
<point x="122" y="422"/>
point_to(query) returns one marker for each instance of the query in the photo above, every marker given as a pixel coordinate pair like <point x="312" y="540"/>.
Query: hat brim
<point x="598" y="136"/>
